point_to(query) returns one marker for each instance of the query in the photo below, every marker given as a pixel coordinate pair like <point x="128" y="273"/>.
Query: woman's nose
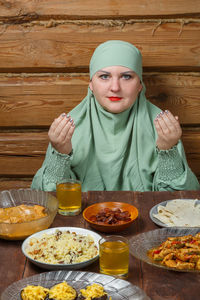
<point x="115" y="85"/>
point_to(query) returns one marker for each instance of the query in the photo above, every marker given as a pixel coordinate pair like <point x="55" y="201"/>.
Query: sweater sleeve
<point x="173" y="172"/>
<point x="55" y="167"/>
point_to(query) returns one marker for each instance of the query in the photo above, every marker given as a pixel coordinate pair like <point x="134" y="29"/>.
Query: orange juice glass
<point x="68" y="193"/>
<point x="114" y="256"/>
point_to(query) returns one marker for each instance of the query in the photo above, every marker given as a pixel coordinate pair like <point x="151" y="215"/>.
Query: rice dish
<point x="62" y="247"/>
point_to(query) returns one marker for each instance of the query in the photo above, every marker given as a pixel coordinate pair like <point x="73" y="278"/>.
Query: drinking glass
<point x="68" y="192"/>
<point x="114" y="256"/>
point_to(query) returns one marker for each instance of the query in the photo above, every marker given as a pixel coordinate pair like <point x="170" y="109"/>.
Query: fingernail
<point x="68" y="116"/>
<point x="162" y="113"/>
<point x="63" y="114"/>
<point x="71" y="120"/>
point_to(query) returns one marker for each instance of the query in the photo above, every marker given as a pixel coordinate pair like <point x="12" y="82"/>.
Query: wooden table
<point x="158" y="283"/>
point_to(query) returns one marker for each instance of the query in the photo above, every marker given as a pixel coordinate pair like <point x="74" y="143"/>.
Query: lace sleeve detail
<point x="170" y="164"/>
<point x="58" y="166"/>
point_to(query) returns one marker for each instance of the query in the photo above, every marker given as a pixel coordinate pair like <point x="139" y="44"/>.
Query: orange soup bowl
<point x="93" y="210"/>
<point x="17" y="197"/>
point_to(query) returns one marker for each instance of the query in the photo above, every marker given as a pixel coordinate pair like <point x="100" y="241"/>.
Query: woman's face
<point x="116" y="88"/>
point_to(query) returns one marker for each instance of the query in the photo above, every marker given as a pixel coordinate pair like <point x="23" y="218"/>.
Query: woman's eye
<point x="104" y="76"/>
<point x="126" y="76"/>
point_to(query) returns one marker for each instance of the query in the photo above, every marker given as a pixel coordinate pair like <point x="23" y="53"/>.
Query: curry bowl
<point x="16" y="229"/>
<point x="106" y="216"/>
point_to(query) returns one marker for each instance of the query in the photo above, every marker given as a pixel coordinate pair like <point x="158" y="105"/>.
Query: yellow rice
<point x="62" y="247"/>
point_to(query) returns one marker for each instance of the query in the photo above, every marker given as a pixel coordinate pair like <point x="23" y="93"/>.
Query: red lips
<point x="115" y="98"/>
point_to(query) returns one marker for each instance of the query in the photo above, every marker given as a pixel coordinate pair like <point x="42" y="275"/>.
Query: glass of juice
<point x="114" y="256"/>
<point x="68" y="192"/>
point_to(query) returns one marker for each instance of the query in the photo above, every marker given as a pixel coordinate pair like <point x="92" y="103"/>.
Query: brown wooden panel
<point x="176" y="92"/>
<point x="21" y="154"/>
<point x="91" y="8"/>
<point x="19" y="166"/>
<point x="35" y="101"/>
<point x="27" y="144"/>
<point x="14" y="184"/>
<point x="191" y="142"/>
<point x="12" y="260"/>
<point x="38" y="48"/>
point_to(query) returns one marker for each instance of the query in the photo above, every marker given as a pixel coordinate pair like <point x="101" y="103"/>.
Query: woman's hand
<point x="60" y="133"/>
<point x="168" y="130"/>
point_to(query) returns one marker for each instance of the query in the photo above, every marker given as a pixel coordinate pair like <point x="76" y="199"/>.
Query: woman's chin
<point x="115" y="108"/>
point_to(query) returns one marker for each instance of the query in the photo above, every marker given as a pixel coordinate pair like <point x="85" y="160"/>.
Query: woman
<point x="115" y="139"/>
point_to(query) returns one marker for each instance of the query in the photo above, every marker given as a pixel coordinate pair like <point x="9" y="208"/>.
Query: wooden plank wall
<point x="45" y="48"/>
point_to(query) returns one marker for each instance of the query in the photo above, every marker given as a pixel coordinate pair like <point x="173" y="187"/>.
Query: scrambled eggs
<point x="93" y="291"/>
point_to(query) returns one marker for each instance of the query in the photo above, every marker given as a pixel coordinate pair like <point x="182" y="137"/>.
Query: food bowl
<point x="94" y="209"/>
<point x="19" y="231"/>
<point x="46" y="236"/>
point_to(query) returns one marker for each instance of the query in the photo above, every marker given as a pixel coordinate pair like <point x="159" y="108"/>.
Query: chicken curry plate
<point x="181" y="252"/>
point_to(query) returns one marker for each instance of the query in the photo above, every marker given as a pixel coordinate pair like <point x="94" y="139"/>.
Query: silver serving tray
<point x="118" y="289"/>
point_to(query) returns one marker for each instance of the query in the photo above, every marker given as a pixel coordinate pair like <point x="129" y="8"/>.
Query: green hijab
<point x="114" y="151"/>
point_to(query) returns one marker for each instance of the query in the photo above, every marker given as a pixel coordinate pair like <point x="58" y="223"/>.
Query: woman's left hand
<point x="168" y="129"/>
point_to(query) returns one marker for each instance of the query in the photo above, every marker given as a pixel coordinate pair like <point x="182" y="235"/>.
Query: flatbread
<point x="179" y="212"/>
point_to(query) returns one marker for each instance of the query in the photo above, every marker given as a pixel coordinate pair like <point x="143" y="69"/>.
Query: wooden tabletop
<point x="158" y="283"/>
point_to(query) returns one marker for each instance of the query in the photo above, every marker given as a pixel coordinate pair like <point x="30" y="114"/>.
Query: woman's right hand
<point x="60" y="133"/>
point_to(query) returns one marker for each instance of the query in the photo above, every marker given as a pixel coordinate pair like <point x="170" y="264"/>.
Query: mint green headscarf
<point x="114" y="151"/>
<point x="116" y="53"/>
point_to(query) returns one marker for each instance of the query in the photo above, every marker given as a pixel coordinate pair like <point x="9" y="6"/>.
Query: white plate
<point x="154" y="210"/>
<point x="48" y="266"/>
<point x="118" y="289"/>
